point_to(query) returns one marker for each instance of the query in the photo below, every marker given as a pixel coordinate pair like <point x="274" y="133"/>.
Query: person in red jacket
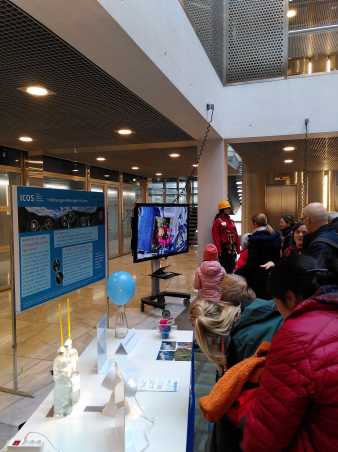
<point x="296" y="406"/>
<point x="225" y="237"/>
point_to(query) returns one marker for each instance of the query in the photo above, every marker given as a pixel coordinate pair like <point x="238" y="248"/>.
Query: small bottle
<point x="62" y="384"/>
<point x="73" y="357"/>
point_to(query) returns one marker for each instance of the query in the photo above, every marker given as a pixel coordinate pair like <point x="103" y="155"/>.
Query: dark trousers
<point x="225" y="437"/>
<point x="228" y="261"/>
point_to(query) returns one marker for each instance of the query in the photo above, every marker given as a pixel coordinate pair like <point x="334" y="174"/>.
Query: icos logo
<point x="27" y="198"/>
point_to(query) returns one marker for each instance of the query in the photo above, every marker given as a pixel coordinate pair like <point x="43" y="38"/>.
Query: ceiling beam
<point x="126" y="147"/>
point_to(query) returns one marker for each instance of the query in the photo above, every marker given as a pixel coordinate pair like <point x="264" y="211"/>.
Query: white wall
<point x="163" y="32"/>
<point x="278" y="108"/>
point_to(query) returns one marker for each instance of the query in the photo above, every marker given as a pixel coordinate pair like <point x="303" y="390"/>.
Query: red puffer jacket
<point x="296" y="406"/>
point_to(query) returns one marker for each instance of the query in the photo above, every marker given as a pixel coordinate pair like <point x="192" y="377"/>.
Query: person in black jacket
<point x="333" y="220"/>
<point x="286" y="224"/>
<point x="321" y="242"/>
<point x="264" y="246"/>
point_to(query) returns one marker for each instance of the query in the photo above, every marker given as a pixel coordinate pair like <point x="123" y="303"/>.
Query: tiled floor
<point x="38" y="336"/>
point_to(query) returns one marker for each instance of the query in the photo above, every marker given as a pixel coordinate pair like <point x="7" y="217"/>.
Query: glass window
<point x="129" y="199"/>
<point x="113" y="222"/>
<point x="7" y="179"/>
<point x="63" y="184"/>
<point x="156" y="192"/>
<point x="112" y="217"/>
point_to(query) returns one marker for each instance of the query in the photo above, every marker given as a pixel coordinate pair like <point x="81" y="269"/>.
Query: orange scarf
<point x="228" y="388"/>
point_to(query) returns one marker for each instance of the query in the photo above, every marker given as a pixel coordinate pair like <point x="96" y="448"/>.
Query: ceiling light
<point x="292" y="13"/>
<point x="158" y="174"/>
<point x="239" y="182"/>
<point x="174" y="155"/>
<point x="26" y="139"/>
<point x="75" y="170"/>
<point x="288" y="161"/>
<point x="100" y="159"/>
<point x="134" y="180"/>
<point x="289" y="148"/>
<point x="135" y="168"/>
<point x="36" y="90"/>
<point x="195" y="165"/>
<point x="107" y="175"/>
<point x="124" y="132"/>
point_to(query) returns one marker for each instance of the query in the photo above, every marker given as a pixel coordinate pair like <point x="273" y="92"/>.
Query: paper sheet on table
<point x="157" y="384"/>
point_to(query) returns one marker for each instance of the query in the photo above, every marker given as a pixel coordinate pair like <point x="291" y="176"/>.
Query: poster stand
<point x="15" y="388"/>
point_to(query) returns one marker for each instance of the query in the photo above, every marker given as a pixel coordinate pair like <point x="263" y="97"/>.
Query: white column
<point x="212" y="187"/>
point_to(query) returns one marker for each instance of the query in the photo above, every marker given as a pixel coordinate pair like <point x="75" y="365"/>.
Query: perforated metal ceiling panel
<point x="256" y="39"/>
<point x="322" y="154"/>
<point x="313" y="14"/>
<point x="88" y="105"/>
<point x="310" y="45"/>
<point x="207" y="18"/>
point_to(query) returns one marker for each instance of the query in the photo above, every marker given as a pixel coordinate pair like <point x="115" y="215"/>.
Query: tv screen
<point x="160" y="230"/>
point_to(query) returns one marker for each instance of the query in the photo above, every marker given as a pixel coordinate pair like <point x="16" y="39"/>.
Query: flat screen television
<point x="160" y="230"/>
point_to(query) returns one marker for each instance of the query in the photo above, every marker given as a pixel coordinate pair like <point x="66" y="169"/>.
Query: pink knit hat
<point x="210" y="253"/>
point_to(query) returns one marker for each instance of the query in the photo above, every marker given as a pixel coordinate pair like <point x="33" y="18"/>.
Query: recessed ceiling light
<point x="238" y="182"/>
<point x="36" y="90"/>
<point x="135" y="168"/>
<point x="195" y="165"/>
<point x="289" y="148"/>
<point x="158" y="174"/>
<point x="292" y="13"/>
<point x="107" y="175"/>
<point x="75" y="170"/>
<point x="100" y="159"/>
<point x="174" y="155"/>
<point x="124" y="132"/>
<point x="288" y="161"/>
<point x="134" y="180"/>
<point x="26" y="139"/>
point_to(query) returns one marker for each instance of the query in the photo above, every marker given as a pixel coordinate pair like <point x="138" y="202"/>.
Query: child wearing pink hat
<point x="209" y="275"/>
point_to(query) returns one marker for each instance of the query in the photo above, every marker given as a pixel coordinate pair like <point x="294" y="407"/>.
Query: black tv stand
<point x="157" y="298"/>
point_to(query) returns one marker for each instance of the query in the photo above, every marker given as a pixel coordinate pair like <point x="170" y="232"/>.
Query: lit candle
<point x="60" y="324"/>
<point x="68" y="318"/>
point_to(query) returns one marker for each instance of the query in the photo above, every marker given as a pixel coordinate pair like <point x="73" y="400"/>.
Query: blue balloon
<point x="121" y="288"/>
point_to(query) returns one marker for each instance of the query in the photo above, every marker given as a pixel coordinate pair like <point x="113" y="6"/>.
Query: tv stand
<point x="157" y="298"/>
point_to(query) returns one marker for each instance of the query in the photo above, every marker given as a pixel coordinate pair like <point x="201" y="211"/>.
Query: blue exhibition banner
<point x="59" y="242"/>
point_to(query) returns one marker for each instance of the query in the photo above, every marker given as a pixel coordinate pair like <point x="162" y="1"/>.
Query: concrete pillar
<point x="212" y="187"/>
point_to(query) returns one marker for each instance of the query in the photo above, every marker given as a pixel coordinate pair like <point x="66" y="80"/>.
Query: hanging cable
<point x="305" y="175"/>
<point x="199" y="153"/>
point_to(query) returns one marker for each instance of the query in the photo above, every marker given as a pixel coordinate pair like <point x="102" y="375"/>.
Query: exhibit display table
<point x="91" y="431"/>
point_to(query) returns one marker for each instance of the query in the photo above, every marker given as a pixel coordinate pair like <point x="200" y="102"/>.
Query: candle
<point x="60" y="324"/>
<point x="68" y="318"/>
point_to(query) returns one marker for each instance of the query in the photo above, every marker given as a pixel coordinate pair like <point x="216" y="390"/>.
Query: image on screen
<point x="161" y="231"/>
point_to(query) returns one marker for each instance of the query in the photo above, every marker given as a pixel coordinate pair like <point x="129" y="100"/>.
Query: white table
<point x="93" y="432"/>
